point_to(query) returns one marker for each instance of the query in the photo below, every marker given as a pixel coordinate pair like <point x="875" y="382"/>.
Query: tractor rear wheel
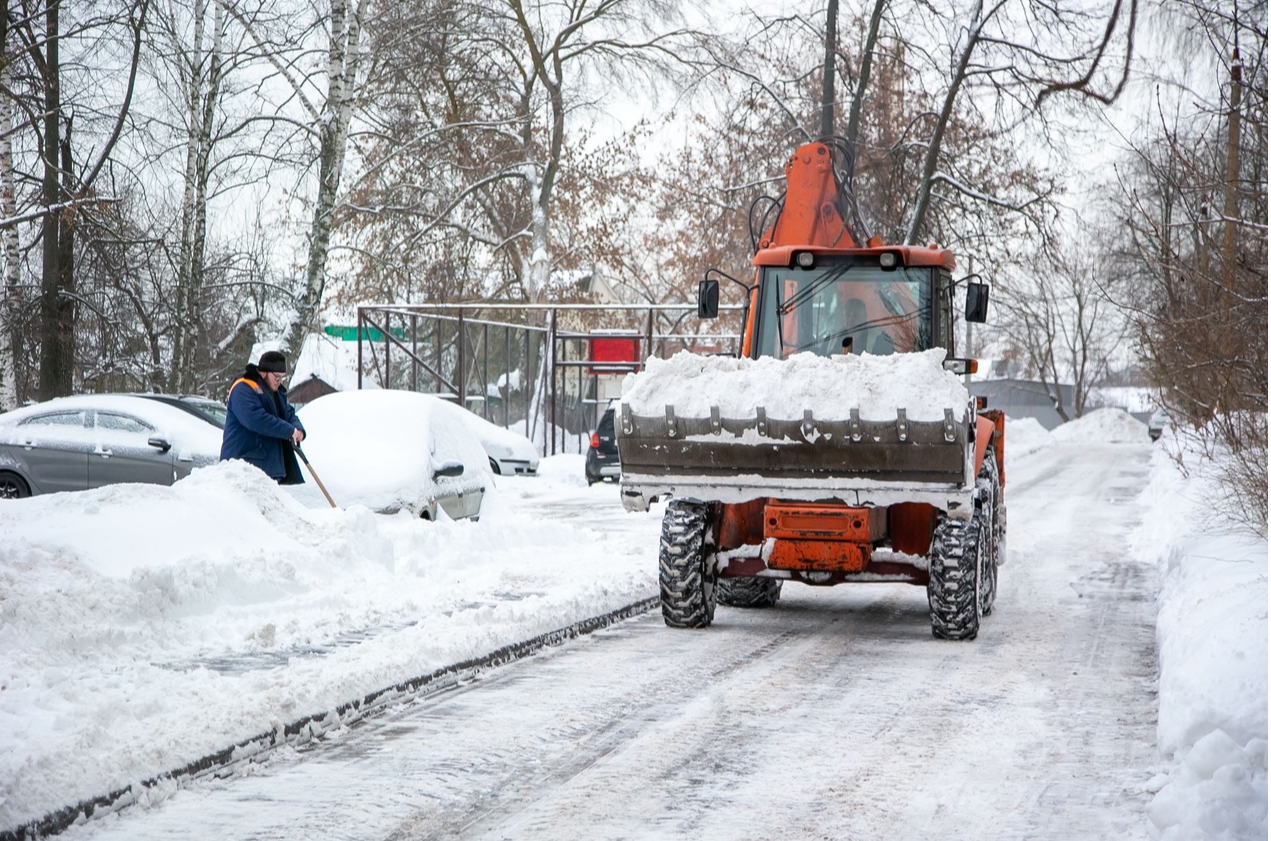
<point x="954" y="585"/>
<point x="748" y="592"/>
<point x="687" y="586"/>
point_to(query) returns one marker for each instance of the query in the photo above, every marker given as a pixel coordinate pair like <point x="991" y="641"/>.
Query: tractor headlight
<point x="887" y="260"/>
<point x="805" y="259"/>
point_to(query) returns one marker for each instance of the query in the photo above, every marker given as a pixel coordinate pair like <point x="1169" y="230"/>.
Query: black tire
<point x="991" y="514"/>
<point x="687" y="586"/>
<point x="953" y="588"/>
<point x="12" y="486"/>
<point x="748" y="592"/>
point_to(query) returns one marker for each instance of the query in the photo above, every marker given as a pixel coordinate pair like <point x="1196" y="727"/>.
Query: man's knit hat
<point x="272" y="362"/>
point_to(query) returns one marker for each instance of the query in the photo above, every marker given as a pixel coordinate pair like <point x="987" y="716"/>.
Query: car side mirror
<point x="449" y="469"/>
<point x="708" y="299"/>
<point x="977" y="302"/>
<point x="160" y="444"/>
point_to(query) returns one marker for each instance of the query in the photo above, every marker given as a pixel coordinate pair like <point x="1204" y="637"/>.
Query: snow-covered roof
<point x="329" y="359"/>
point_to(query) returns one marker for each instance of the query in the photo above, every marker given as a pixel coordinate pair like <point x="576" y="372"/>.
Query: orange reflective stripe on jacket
<point x="255" y="387"/>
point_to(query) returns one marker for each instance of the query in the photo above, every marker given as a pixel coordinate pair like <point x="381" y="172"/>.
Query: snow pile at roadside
<point x="143" y="627"/>
<point x="1024" y="436"/>
<point x="1102" y="426"/>
<point x="1212" y="642"/>
<point x="830" y="386"/>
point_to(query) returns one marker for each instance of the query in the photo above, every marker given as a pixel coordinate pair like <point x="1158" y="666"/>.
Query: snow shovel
<point x="321" y="486"/>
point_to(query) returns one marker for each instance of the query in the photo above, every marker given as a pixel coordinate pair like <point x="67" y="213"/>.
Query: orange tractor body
<point x="780" y="493"/>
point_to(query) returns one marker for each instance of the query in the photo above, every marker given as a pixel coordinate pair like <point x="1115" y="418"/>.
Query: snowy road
<point x="835" y="715"/>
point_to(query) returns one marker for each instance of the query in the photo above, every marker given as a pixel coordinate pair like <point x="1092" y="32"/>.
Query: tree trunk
<point x="202" y="102"/>
<point x="56" y="346"/>
<point x="932" y="158"/>
<point x="862" y="81"/>
<point x="10" y="334"/>
<point x="827" y="73"/>
<point x="342" y="68"/>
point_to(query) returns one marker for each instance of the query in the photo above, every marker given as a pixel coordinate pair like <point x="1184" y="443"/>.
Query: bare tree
<point x="1193" y="200"/>
<point x="498" y="94"/>
<point x="66" y="186"/>
<point x="326" y="92"/>
<point x="1063" y="327"/>
<point x="990" y="60"/>
<point x="11" y="333"/>
<point x="200" y="67"/>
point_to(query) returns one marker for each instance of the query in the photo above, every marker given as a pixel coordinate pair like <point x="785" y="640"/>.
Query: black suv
<point x="602" y="455"/>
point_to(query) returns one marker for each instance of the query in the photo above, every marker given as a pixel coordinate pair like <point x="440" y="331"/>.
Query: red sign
<point x="613" y="353"/>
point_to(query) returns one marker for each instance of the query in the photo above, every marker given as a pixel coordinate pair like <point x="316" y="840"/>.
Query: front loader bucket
<point x="735" y="459"/>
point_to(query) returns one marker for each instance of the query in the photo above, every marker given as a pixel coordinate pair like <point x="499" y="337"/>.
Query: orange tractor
<point x="774" y="494"/>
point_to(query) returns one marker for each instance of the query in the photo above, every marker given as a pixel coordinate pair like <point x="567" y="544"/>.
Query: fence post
<point x="414" y="351"/>
<point x="551" y="377"/>
<point x="648" y="335"/>
<point x="461" y="380"/>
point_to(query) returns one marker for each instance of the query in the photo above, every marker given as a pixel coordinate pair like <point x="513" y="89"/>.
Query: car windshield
<point x="211" y="409"/>
<point x="840" y="307"/>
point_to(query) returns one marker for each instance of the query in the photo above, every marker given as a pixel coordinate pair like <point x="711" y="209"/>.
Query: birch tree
<point x="200" y="65"/>
<point x="326" y="92"/>
<point x="11" y="333"/>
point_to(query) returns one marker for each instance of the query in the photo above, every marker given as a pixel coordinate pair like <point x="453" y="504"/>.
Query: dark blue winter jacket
<point x="258" y="428"/>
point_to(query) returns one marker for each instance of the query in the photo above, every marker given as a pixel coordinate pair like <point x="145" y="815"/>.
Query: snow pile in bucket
<point x="1102" y="426"/>
<point x="830" y="386"/>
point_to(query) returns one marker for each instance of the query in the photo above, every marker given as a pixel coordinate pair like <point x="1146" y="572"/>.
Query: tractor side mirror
<point x="708" y="299"/>
<point x="977" y="302"/>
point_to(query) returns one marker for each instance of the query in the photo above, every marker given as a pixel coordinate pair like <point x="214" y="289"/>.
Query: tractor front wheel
<point x="687" y="586"/>
<point x="990" y="512"/>
<point x="953" y="590"/>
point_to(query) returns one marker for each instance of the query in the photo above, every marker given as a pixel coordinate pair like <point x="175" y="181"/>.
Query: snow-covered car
<point x="511" y="453"/>
<point x="1156" y="423"/>
<point x="91" y="440"/>
<point x="210" y="410"/>
<point x="393" y="451"/>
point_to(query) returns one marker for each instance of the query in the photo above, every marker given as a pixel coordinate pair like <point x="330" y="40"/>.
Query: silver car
<point x="87" y="441"/>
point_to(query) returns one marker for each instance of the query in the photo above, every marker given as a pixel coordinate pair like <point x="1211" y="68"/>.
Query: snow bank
<point x="1102" y="426"/>
<point x="143" y="627"/>
<point x="1212" y="643"/>
<point x="830" y="386"/>
<point x="1024" y="436"/>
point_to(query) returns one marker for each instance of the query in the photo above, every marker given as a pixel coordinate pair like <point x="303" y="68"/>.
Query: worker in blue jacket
<point x="261" y="427"/>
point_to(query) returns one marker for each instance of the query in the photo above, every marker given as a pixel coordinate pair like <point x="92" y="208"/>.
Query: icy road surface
<point x="835" y="715"/>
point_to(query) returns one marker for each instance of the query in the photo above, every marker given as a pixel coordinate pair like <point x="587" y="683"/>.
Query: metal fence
<point x="545" y="370"/>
